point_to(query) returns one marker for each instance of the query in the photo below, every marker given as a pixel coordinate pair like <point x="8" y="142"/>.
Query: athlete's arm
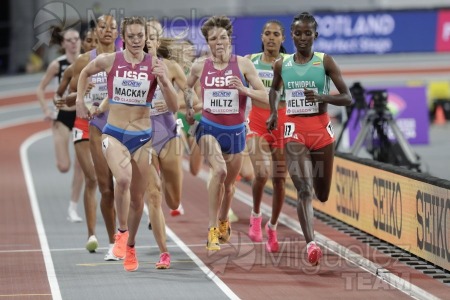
<point x="344" y="97"/>
<point x="192" y="79"/>
<point x="102" y="62"/>
<point x="58" y="99"/>
<point x="258" y="91"/>
<point x="52" y="70"/>
<point x="160" y="70"/>
<point x="277" y="83"/>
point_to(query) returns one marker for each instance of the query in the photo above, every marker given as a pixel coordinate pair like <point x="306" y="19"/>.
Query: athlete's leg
<point x="118" y="159"/>
<point x="195" y="156"/>
<point x="154" y="200"/>
<point x="171" y="172"/>
<point x="299" y="167"/>
<point x="61" y="138"/>
<point x="105" y="182"/>
<point x="90" y="202"/>
<point x="259" y="152"/>
<point x="141" y="172"/>
<point x="233" y="165"/>
<point x="279" y="182"/>
<point x="247" y="173"/>
<point x="322" y="160"/>
<point x="210" y="148"/>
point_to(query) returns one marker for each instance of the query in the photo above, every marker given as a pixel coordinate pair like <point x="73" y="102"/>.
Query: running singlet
<point x="297" y="77"/>
<point x="158" y="99"/>
<point x="264" y="70"/>
<point x="221" y="103"/>
<point x="63" y="64"/>
<point x="131" y="86"/>
<point x="100" y="89"/>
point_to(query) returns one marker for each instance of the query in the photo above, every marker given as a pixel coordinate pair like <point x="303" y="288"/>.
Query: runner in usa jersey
<point x="220" y="133"/>
<point x="126" y="141"/>
<point x="308" y="133"/>
<point x="222" y="103"/>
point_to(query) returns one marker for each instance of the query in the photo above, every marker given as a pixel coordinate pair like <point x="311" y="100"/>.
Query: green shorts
<point x="186" y="126"/>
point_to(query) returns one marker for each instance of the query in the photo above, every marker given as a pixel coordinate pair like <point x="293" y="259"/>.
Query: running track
<point x="43" y="256"/>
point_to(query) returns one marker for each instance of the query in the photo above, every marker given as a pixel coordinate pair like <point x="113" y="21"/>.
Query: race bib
<point x="289" y="129"/>
<point x="221" y="101"/>
<point x="96" y="94"/>
<point x="297" y="104"/>
<point x="158" y="105"/>
<point x="130" y="91"/>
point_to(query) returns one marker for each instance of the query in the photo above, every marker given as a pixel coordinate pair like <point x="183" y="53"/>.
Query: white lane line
<point x="21" y="121"/>
<point x="360" y="261"/>
<point x="51" y="275"/>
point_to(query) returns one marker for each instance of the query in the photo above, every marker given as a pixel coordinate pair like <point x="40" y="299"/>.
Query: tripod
<point x="376" y="123"/>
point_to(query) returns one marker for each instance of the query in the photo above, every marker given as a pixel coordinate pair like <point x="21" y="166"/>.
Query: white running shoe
<point x="73" y="216"/>
<point x="92" y="244"/>
<point x="109" y="256"/>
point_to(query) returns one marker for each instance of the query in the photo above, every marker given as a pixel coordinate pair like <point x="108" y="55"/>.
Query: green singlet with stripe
<point x="264" y="70"/>
<point x="297" y="77"/>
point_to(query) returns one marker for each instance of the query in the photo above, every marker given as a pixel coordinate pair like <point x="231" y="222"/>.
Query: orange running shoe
<point x="120" y="244"/>
<point x="130" y="263"/>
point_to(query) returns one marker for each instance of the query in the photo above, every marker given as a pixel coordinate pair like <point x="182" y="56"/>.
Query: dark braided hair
<point x="282" y="49"/>
<point x="304" y="17"/>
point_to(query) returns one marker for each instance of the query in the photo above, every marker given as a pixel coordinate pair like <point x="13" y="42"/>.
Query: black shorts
<point x="67" y="118"/>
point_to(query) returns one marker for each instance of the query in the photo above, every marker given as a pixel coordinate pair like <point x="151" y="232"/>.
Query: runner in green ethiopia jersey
<point x="308" y="133"/>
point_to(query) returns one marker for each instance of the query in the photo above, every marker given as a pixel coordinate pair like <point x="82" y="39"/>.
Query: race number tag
<point x="77" y="134"/>
<point x="289" y="129"/>
<point x="297" y="104"/>
<point x="221" y="101"/>
<point x="330" y="129"/>
<point x="130" y="91"/>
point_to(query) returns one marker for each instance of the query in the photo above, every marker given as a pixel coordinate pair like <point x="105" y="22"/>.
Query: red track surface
<point x="246" y="268"/>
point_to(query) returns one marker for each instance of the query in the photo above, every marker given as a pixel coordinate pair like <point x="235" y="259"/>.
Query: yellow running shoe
<point x="213" y="239"/>
<point x="225" y="231"/>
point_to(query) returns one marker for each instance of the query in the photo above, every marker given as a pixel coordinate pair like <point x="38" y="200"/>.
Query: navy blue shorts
<point x="133" y="140"/>
<point x="231" y="138"/>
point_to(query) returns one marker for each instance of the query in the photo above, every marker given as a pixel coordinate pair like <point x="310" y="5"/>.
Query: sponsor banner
<point x="443" y="31"/>
<point x="408" y="106"/>
<point x="376" y="32"/>
<point x="406" y="212"/>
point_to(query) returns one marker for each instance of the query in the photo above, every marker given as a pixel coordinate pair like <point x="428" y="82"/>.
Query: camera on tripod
<point x="379" y="100"/>
<point x="379" y="132"/>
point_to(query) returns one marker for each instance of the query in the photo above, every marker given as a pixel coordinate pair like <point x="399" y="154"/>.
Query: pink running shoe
<point x="314" y="253"/>
<point x="272" y="241"/>
<point x="254" y="231"/>
<point x="164" y="261"/>
<point x="120" y="244"/>
<point x="130" y="263"/>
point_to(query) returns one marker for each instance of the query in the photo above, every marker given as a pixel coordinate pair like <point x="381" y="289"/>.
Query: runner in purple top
<point x="167" y="147"/>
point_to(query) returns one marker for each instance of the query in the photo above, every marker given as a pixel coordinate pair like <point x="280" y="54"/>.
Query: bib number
<point x="289" y="129"/>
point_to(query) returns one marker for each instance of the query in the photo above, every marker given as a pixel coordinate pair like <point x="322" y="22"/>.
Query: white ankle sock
<point x="255" y="215"/>
<point x="273" y="227"/>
